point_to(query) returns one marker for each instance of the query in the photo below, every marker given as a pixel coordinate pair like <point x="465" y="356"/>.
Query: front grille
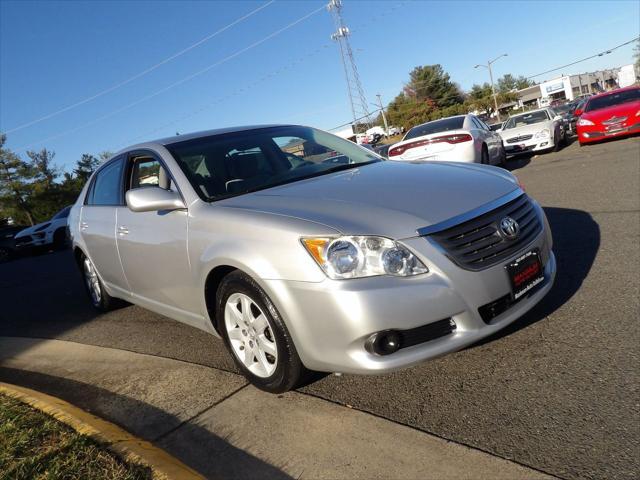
<point x="614" y="120"/>
<point x="477" y="244"/>
<point x="23" y="240"/>
<point x="426" y="333"/>
<point x="521" y="138"/>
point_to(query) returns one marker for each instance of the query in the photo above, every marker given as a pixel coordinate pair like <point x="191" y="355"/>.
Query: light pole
<point x="384" y="117"/>
<point x="493" y="90"/>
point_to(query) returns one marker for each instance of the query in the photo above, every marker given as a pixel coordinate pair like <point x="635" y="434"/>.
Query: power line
<point x="192" y="113"/>
<point x="140" y="74"/>
<point x="605" y="52"/>
<point x="175" y="84"/>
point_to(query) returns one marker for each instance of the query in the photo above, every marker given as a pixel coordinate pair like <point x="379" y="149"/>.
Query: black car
<point x="567" y="111"/>
<point x="7" y="241"/>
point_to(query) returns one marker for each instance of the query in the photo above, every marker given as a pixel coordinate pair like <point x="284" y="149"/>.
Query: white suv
<point x="52" y="232"/>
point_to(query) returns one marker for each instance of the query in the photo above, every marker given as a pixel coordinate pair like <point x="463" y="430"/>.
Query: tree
<point x="636" y="49"/>
<point x="46" y="171"/>
<point x="480" y="98"/>
<point x="432" y="83"/>
<point x="85" y="167"/>
<point x="508" y="83"/>
<point x="428" y="95"/>
<point x="15" y="186"/>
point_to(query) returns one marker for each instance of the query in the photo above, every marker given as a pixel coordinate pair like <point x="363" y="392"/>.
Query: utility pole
<point x="384" y="117"/>
<point x="493" y="89"/>
<point x="359" y="107"/>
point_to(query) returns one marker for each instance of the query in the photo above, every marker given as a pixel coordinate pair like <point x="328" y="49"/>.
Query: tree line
<point x="34" y="188"/>
<point x="430" y="94"/>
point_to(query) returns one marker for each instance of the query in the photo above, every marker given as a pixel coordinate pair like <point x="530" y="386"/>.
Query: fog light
<point x="543" y="144"/>
<point x="384" y="343"/>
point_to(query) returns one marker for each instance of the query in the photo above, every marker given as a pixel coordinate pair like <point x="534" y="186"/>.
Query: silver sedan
<point x="305" y="252"/>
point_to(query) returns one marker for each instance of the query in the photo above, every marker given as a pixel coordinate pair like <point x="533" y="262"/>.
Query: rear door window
<point x="106" y="188"/>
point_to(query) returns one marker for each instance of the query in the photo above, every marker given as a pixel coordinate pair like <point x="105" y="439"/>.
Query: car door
<point x="98" y="223"/>
<point x="153" y="245"/>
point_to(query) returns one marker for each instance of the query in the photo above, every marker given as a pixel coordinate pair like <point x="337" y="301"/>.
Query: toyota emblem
<point x="509" y="228"/>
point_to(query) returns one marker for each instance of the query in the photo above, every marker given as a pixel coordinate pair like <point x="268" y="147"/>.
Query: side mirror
<point x="578" y="112"/>
<point x="557" y="118"/>
<point x="152" y="199"/>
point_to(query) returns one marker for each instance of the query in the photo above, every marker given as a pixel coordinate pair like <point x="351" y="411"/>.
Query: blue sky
<point x="54" y="54"/>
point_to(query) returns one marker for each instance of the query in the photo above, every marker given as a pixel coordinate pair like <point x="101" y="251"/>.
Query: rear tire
<point x="503" y="157"/>
<point x="256" y="336"/>
<point x="484" y="156"/>
<point x="94" y="287"/>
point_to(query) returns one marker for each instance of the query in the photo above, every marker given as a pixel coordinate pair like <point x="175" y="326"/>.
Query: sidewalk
<point x="220" y="426"/>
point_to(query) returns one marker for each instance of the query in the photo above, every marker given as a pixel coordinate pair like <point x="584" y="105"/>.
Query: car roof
<point x="613" y="92"/>
<point x="443" y="118"/>
<point x="190" y="136"/>
<point x="208" y="133"/>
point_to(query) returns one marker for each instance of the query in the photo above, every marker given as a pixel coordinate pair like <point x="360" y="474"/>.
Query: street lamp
<point x="493" y="90"/>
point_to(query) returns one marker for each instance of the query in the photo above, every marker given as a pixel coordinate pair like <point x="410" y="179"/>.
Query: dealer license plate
<point x="525" y="273"/>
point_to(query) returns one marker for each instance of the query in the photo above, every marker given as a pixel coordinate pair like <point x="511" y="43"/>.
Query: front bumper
<point x="532" y="145"/>
<point x="330" y="321"/>
<point x="595" y="133"/>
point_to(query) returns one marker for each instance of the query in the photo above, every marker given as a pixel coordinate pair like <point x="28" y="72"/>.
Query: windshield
<point x="222" y="166"/>
<point x="596" y="103"/>
<point x="64" y="213"/>
<point x="566" y="108"/>
<point x="444" y="125"/>
<point x="526" y="119"/>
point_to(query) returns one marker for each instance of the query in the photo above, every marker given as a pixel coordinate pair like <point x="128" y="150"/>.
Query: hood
<point x="391" y="199"/>
<point x="628" y="109"/>
<point x="526" y="129"/>
<point x="32" y="229"/>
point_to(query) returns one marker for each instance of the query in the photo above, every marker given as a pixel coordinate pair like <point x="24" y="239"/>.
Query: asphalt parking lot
<point x="557" y="390"/>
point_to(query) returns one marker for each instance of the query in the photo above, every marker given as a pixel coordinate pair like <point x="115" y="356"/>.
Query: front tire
<point x="256" y="335"/>
<point x="59" y="239"/>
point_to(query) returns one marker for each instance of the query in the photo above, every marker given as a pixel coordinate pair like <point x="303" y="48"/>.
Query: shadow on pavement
<point x="576" y="237"/>
<point x="204" y="451"/>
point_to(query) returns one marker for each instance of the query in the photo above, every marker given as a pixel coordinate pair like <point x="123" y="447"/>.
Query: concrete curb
<point x="114" y="438"/>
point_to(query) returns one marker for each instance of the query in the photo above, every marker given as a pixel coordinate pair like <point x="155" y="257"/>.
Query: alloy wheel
<point x="250" y="335"/>
<point x="92" y="281"/>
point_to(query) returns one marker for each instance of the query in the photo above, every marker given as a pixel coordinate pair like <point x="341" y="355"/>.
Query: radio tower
<point x="359" y="108"/>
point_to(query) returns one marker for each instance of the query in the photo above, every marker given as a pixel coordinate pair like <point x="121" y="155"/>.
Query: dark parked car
<point x="568" y="114"/>
<point x="7" y="241"/>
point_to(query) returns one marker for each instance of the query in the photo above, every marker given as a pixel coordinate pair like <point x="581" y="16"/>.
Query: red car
<point x="611" y="114"/>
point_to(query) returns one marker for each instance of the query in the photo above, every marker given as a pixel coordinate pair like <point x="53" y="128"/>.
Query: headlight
<point x="583" y="122"/>
<point x="356" y="257"/>
<point x="543" y="133"/>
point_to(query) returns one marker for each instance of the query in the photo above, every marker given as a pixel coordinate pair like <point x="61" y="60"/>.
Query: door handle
<point x="84" y="225"/>
<point x="122" y="230"/>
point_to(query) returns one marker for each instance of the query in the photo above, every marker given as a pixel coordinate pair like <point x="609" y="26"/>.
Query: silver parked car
<point x="305" y="251"/>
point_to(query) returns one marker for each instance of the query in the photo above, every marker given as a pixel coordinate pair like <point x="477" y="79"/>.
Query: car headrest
<point x="243" y="165"/>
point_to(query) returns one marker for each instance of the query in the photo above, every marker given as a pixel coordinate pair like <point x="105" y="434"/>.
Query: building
<point x="567" y="88"/>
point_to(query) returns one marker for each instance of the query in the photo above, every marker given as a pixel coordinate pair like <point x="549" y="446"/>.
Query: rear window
<point x="444" y="125"/>
<point x="597" y="103"/>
